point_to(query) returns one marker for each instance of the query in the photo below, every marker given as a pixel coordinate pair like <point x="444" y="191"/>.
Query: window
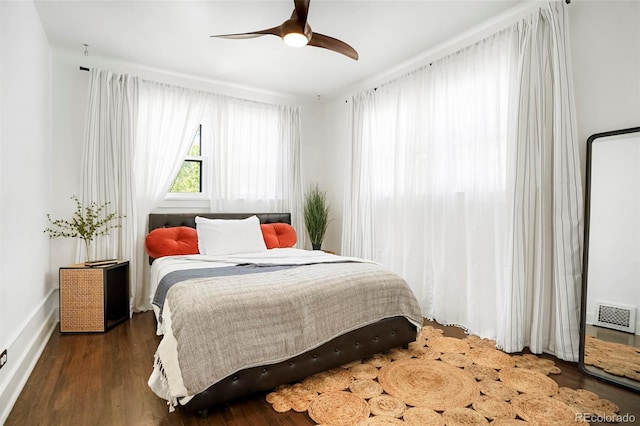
<point x="189" y="178"/>
<point x="241" y="159"/>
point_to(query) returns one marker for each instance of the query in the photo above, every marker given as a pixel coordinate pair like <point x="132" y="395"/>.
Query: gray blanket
<point x="173" y="278"/>
<point x="226" y="324"/>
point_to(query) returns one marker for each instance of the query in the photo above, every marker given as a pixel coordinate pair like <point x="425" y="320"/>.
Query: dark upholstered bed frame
<point x="167" y="220"/>
<point x="357" y="344"/>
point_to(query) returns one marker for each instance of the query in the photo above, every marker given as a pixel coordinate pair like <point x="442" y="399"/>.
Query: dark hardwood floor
<point x="101" y="379"/>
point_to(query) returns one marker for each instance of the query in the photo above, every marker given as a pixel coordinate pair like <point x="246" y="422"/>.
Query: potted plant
<point x="86" y="223"/>
<point x="316" y="215"/>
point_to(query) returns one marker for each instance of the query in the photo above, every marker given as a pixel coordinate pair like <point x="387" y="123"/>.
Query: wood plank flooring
<point x="101" y="379"/>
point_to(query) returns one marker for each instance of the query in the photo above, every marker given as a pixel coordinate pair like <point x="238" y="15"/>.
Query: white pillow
<point x="229" y="236"/>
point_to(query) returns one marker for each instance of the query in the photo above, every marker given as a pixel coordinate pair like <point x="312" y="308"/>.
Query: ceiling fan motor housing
<point x="294" y="26"/>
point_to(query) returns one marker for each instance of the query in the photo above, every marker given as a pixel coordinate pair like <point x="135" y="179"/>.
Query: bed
<point x="240" y="323"/>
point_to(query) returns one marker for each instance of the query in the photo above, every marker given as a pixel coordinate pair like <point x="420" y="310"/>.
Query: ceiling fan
<point x="296" y="32"/>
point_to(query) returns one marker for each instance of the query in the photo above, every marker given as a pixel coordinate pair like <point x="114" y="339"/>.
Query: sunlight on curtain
<point x="358" y="238"/>
<point x="434" y="178"/>
<point x="168" y="119"/>
<point x="139" y="132"/>
<point x="256" y="159"/>
<point x="440" y="159"/>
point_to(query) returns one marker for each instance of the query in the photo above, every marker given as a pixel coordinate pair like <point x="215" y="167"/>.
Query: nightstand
<point x="93" y="298"/>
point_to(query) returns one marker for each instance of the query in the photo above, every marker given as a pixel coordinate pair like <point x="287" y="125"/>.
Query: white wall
<point x="605" y="42"/>
<point x="324" y="159"/>
<point x="606" y="69"/>
<point x="28" y="301"/>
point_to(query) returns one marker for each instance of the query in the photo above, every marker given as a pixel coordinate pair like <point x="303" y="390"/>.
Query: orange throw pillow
<point x="278" y="235"/>
<point x="172" y="241"/>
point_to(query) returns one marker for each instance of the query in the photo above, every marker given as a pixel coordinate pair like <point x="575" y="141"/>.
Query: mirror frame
<point x="585" y="261"/>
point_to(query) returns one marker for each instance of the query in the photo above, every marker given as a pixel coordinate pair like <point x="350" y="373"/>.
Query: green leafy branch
<point x="86" y="223"/>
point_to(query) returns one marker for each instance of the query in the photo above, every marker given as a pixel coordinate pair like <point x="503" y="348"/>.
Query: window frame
<point x="182" y="197"/>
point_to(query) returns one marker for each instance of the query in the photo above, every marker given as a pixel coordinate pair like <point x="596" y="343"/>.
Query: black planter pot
<point x="316" y="246"/>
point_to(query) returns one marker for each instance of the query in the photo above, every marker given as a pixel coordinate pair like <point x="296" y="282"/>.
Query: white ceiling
<point x="174" y="36"/>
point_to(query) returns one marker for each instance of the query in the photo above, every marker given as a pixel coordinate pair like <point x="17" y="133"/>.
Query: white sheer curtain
<point x="358" y="238"/>
<point x="542" y="291"/>
<point x="256" y="159"/>
<point x="136" y="134"/>
<point x="139" y="132"/>
<point x="428" y="181"/>
<point x="436" y="158"/>
<point x="290" y="134"/>
<point x="106" y="171"/>
<point x="168" y="119"/>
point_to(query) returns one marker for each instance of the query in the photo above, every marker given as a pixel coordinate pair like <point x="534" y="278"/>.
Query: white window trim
<point x="194" y="200"/>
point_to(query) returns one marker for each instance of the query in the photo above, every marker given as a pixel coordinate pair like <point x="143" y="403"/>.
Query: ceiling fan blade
<point x="301" y="11"/>
<point x="277" y="31"/>
<point x="326" y="42"/>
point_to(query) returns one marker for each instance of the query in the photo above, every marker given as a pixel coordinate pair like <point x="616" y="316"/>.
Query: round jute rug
<point x="463" y="417"/>
<point x="430" y="384"/>
<point x="583" y="401"/>
<point x="614" y="358"/>
<point x="494" y="408"/>
<point x="426" y="353"/>
<point x="491" y="358"/>
<point x="331" y="380"/>
<point x="449" y="344"/>
<point x="531" y="362"/>
<point x="386" y="405"/>
<point x="497" y="389"/>
<point x="481" y="373"/>
<point x="528" y="381"/>
<point x="364" y="371"/>
<point x="429" y="332"/>
<point x="381" y="421"/>
<point x="377" y="360"/>
<point x="477" y="342"/>
<point x="508" y="422"/>
<point x="455" y="359"/>
<point x="418" y="416"/>
<point x="365" y="388"/>
<point x="338" y="408"/>
<point x="391" y="389"/>
<point x="543" y="410"/>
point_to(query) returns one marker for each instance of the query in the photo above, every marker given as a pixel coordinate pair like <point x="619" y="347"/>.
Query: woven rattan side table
<point x="93" y="298"/>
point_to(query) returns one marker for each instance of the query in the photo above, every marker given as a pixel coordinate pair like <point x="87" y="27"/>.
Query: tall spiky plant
<point x="316" y="215"/>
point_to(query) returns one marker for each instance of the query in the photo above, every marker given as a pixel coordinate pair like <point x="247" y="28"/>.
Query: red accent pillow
<point x="278" y="235"/>
<point x="171" y="241"/>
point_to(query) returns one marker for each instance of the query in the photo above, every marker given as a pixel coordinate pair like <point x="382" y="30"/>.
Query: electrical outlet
<point x="3" y="358"/>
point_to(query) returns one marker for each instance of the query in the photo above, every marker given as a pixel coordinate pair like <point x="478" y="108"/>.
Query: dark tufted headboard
<point x="167" y="220"/>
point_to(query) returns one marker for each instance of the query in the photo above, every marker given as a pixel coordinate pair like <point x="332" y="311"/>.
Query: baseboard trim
<point x="25" y="350"/>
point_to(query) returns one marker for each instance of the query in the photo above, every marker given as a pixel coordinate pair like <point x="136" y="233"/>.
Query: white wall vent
<point x="617" y="317"/>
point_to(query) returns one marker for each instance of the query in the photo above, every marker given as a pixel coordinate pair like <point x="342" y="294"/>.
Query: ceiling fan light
<point x="295" y="39"/>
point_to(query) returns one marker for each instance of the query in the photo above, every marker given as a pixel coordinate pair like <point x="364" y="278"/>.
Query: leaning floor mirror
<point x="610" y="339"/>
